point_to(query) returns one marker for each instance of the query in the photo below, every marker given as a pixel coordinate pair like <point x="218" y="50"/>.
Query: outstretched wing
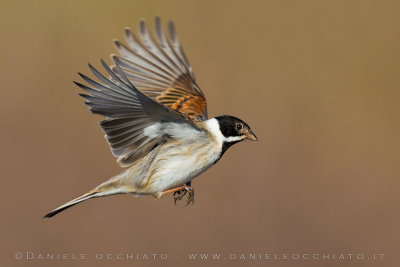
<point x="129" y="115"/>
<point x="160" y="70"/>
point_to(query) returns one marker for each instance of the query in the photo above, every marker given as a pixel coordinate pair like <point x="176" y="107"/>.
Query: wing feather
<point x="159" y="68"/>
<point x="128" y="113"/>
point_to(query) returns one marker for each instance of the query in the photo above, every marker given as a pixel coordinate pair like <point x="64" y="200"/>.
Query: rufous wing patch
<point x="184" y="101"/>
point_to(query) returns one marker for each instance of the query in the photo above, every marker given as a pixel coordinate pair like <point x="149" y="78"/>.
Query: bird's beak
<point x="251" y="136"/>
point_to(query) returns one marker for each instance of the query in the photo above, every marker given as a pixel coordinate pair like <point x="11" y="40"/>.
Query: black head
<point x="234" y="130"/>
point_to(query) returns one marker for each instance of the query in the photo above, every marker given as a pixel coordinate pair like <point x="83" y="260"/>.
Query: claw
<point x="190" y="197"/>
<point x="179" y="195"/>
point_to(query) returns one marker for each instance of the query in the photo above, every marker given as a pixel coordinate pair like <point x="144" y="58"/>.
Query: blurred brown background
<point x="318" y="81"/>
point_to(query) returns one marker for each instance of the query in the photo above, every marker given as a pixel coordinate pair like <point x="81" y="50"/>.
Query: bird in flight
<point x="156" y="120"/>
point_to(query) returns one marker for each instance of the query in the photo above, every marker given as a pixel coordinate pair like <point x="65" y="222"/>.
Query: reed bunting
<point x="156" y="118"/>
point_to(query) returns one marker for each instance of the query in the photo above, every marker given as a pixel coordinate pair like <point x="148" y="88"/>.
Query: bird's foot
<point x="179" y="195"/>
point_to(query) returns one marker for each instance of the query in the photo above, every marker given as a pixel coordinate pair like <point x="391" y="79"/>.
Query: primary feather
<point x="128" y="113"/>
<point x="159" y="68"/>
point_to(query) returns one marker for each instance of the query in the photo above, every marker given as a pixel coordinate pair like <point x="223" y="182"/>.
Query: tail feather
<point x="111" y="187"/>
<point x="71" y="203"/>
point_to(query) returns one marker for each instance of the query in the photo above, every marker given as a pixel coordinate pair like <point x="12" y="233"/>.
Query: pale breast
<point x="176" y="163"/>
<point x="181" y="159"/>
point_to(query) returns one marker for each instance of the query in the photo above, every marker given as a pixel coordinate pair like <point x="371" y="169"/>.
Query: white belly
<point x="187" y="154"/>
<point x="175" y="166"/>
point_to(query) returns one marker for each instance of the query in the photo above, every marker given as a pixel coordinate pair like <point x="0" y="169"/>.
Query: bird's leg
<point x="178" y="195"/>
<point x="160" y="194"/>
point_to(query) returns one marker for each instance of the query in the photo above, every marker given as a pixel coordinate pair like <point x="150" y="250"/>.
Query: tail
<point x="110" y="187"/>
<point x="71" y="203"/>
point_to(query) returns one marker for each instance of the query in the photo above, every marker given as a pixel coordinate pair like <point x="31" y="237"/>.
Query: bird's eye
<point x="239" y="126"/>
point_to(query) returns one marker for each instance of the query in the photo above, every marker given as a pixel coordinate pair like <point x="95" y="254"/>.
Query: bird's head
<point x="234" y="130"/>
